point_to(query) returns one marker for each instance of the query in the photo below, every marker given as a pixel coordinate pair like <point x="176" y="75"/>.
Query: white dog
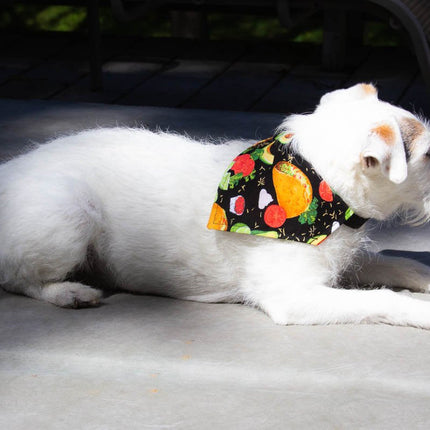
<point x="133" y="206"/>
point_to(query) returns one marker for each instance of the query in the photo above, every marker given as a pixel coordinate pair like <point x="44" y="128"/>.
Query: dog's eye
<point x="427" y="154"/>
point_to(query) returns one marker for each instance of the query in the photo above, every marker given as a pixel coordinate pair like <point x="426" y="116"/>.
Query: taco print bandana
<point x="270" y="191"/>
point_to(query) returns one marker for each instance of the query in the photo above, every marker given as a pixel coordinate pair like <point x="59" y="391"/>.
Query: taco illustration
<point x="293" y="189"/>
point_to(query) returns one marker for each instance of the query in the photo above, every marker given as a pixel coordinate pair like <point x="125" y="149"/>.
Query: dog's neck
<point x="270" y="190"/>
<point x="335" y="153"/>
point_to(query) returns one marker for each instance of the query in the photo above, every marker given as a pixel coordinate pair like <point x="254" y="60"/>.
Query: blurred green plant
<point x="72" y="18"/>
<point x="51" y="18"/>
<point x="222" y="26"/>
<point x="380" y="34"/>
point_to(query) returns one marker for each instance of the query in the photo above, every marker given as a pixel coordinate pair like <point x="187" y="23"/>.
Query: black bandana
<point x="268" y="190"/>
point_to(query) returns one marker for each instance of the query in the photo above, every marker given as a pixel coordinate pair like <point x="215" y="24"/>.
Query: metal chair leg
<point x="96" y="81"/>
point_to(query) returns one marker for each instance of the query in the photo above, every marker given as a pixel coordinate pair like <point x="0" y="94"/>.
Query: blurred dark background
<point x="27" y="17"/>
<point x="241" y="58"/>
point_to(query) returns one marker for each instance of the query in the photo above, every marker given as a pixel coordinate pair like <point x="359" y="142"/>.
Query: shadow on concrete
<point x="422" y="257"/>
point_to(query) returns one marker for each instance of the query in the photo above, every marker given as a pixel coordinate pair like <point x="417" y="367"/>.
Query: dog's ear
<point x="385" y="153"/>
<point x="411" y="130"/>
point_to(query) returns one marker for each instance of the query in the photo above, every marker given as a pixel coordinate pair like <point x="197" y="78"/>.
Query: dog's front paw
<point x="419" y="280"/>
<point x="325" y="305"/>
<point x="413" y="275"/>
<point x="71" y="295"/>
<point x="278" y="312"/>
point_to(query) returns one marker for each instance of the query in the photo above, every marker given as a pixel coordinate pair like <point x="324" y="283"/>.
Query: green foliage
<point x="54" y="18"/>
<point x="62" y="18"/>
<point x="73" y="18"/>
<point x="380" y="34"/>
<point x="313" y="35"/>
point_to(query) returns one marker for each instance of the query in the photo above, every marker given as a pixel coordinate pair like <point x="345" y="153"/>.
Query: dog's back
<point x="134" y="198"/>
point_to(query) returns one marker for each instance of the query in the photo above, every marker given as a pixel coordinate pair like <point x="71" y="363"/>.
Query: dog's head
<point x="375" y="155"/>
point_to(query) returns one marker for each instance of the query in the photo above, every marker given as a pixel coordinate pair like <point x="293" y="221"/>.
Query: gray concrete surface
<point x="25" y="122"/>
<point x="155" y="363"/>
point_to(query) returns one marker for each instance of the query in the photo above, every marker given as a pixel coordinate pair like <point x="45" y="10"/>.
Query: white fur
<point x="138" y="202"/>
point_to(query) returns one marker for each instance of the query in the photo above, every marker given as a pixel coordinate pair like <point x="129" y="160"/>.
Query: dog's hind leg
<point x="325" y="305"/>
<point x="45" y="231"/>
<point x="64" y="294"/>
<point x="391" y="271"/>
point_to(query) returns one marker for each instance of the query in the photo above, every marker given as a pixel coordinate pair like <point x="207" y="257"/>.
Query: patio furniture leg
<point x="334" y="43"/>
<point x="343" y="35"/>
<point x="96" y="82"/>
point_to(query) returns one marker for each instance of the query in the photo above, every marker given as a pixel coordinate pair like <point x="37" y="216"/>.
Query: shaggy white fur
<point x="135" y="204"/>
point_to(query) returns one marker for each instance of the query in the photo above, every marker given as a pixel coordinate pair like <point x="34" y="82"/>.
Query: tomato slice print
<point x="274" y="216"/>
<point x="243" y="164"/>
<point x="325" y="191"/>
